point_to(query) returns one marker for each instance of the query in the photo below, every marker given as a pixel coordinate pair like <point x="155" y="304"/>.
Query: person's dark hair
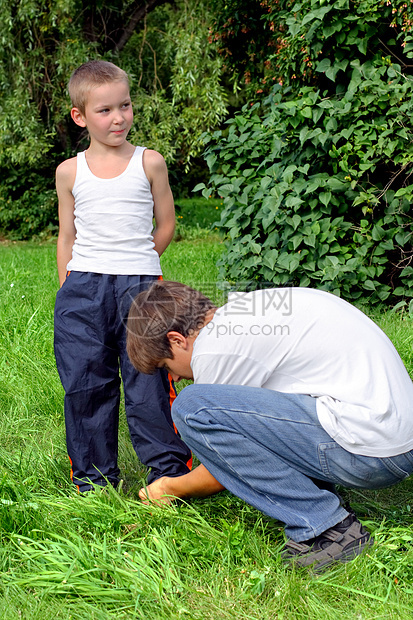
<point x="162" y="308"/>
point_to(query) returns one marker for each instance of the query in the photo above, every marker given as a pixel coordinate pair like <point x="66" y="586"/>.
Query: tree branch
<point x="137" y="15"/>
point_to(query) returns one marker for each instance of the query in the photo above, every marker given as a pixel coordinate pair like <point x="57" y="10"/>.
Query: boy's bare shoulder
<point x="66" y="171"/>
<point x="153" y="163"/>
<point x="152" y="155"/>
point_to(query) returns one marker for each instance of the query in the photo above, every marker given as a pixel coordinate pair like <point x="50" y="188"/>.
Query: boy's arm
<point x="197" y="483"/>
<point x="163" y="202"/>
<point x="65" y="177"/>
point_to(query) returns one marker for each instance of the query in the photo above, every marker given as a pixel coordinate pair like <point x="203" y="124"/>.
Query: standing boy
<point x="106" y="253"/>
<point x="295" y="391"/>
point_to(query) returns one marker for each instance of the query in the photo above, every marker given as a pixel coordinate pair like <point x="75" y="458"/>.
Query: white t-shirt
<point x="306" y="341"/>
<point x="114" y="221"/>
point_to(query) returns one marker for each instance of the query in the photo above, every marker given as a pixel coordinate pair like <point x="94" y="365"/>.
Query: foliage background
<point x="316" y="176"/>
<point x="175" y="84"/>
<point x="315" y="168"/>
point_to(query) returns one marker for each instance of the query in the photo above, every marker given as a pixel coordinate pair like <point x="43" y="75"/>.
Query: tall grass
<point x="106" y="555"/>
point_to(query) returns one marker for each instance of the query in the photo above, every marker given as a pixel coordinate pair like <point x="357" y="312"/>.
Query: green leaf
<point x="296" y="241"/>
<point x="336" y="184"/>
<point x="307" y="112"/>
<point x="310" y="240"/>
<point x="323" y="65"/>
<point x="332" y="72"/>
<point x="331" y="124"/>
<point x="211" y="160"/>
<point x="325" y="197"/>
<point x="377" y="233"/>
<point x="288" y="174"/>
<point x="265" y="182"/>
<point x="315" y="227"/>
<point x="226" y="189"/>
<point x="206" y="192"/>
<point x="362" y="45"/>
<point x="303" y="134"/>
<point x="317" y="114"/>
<point x="293" y="201"/>
<point x="316" y="14"/>
<point x="332" y="28"/>
<point x="270" y="258"/>
<point x="294" y="263"/>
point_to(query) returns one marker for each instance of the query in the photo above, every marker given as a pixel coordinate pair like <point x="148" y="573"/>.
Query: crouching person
<point x="295" y="391"/>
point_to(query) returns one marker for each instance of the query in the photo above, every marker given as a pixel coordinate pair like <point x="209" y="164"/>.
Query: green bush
<point x="28" y="205"/>
<point x="316" y="183"/>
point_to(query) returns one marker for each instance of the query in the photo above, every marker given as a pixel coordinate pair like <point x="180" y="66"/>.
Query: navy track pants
<point x="90" y="348"/>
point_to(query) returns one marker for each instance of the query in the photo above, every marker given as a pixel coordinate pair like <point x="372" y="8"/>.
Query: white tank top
<point x="114" y="221"/>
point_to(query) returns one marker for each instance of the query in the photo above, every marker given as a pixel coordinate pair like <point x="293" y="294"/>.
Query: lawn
<point x="107" y="555"/>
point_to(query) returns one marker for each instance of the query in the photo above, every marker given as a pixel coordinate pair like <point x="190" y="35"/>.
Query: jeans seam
<point x="322" y="457"/>
<point x="393" y="468"/>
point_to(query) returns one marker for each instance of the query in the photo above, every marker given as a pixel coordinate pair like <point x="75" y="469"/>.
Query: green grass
<point x="198" y="213"/>
<point x="106" y="555"/>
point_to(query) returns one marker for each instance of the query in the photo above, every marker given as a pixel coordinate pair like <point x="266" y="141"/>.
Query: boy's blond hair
<point x="90" y="75"/>
<point x="162" y="308"/>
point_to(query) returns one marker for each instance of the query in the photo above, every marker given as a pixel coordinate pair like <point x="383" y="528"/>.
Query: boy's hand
<point x="157" y="492"/>
<point x="196" y="483"/>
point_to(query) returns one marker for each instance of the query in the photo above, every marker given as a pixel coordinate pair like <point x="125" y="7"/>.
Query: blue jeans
<point x="269" y="449"/>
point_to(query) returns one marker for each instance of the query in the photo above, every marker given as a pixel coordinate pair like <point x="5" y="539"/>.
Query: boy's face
<point x="108" y="113"/>
<point x="179" y="367"/>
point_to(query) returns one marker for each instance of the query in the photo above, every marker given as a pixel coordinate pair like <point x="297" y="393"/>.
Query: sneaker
<point x="341" y="543"/>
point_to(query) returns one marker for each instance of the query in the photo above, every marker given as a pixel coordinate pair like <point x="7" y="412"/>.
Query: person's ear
<point x="78" y="117"/>
<point x="175" y="338"/>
